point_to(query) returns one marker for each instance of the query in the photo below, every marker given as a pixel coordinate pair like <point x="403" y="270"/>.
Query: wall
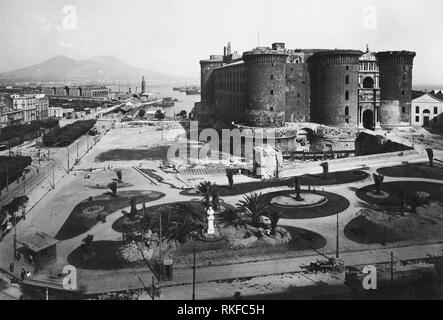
<point x="367" y="144"/>
<point x="297" y="93"/>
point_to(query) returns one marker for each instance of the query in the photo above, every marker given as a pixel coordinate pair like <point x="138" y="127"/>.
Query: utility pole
<point x="337" y="244"/>
<point x="153" y="289"/>
<point x="193" y="277"/>
<point x="77" y="151"/>
<point x="7" y="176"/>
<point x="53" y="174"/>
<point x="15" y="235"/>
<point x="392" y="268"/>
<point x="160" y="249"/>
<point x="68" y="158"/>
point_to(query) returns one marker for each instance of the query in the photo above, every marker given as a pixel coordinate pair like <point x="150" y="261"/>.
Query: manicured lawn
<point x="362" y="230"/>
<point x="107" y="258"/>
<point x="435" y="191"/>
<point x="421" y="170"/>
<point x="306" y="180"/>
<point x="334" y="205"/>
<point x="78" y="222"/>
<point x="154" y="153"/>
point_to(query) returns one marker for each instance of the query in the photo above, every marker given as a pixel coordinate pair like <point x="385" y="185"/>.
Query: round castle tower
<point x="265" y="72"/>
<point x="334" y="87"/>
<point x="396" y="87"/>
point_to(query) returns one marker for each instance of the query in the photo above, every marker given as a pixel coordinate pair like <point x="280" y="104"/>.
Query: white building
<point x="55" y="112"/>
<point x="427" y="111"/>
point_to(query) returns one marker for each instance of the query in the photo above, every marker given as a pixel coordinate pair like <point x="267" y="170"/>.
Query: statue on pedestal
<point x="211" y="229"/>
<point x="297" y="189"/>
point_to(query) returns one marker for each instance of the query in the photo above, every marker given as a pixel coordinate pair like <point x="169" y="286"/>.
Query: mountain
<point x="100" y="68"/>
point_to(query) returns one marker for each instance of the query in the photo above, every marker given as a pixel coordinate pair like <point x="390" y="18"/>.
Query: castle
<point x="268" y="87"/>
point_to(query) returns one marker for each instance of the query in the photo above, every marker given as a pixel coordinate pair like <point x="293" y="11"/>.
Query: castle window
<point x="272" y="92"/>
<point x="347" y="80"/>
<point x="417" y="109"/>
<point x="417" y="119"/>
<point x="346" y="111"/>
<point x="435" y="110"/>
<point x="347" y="95"/>
<point x="272" y="77"/>
<point x="347" y="67"/>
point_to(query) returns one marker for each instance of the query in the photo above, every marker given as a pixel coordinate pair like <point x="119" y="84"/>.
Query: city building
<point x="269" y="86"/>
<point x="21" y="109"/>
<point x="55" y="112"/>
<point x="427" y="111"/>
<point x="94" y="93"/>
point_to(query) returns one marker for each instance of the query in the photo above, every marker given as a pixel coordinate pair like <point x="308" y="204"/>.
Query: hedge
<point x="62" y="137"/>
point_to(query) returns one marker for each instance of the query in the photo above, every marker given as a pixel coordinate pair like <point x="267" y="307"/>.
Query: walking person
<point x="11" y="267"/>
<point x="23" y="274"/>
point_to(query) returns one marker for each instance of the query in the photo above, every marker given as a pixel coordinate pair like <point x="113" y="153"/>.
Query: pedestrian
<point x="23" y="274"/>
<point x="11" y="267"/>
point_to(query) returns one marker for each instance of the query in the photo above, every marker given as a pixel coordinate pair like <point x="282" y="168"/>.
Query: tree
<point x="378" y="181"/>
<point x="159" y="115"/>
<point x="177" y="225"/>
<point x="274" y="217"/>
<point x="254" y="206"/>
<point x="119" y="175"/>
<point x="231" y="217"/>
<point x="230" y="175"/>
<point x="325" y="166"/>
<point x="87" y="246"/>
<point x="430" y="153"/>
<point x="206" y="190"/>
<point x="215" y="193"/>
<point x="132" y="215"/>
<point x="141" y="113"/>
<point x="113" y="187"/>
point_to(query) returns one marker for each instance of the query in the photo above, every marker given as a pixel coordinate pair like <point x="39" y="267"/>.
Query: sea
<point x="185" y="102"/>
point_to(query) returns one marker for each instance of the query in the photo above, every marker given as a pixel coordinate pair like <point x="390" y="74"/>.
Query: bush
<point x="62" y="137"/>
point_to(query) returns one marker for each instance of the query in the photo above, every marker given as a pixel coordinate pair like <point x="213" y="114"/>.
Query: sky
<point x="171" y="36"/>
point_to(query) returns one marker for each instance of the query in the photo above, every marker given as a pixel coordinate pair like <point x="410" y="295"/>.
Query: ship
<point x="193" y="91"/>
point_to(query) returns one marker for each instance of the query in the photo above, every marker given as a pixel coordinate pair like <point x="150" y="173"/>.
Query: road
<point x="48" y="171"/>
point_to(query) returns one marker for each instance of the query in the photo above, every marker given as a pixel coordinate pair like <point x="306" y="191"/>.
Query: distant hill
<point x="62" y="68"/>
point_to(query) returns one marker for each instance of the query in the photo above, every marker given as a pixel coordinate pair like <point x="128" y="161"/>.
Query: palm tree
<point x="231" y="217"/>
<point x="177" y="225"/>
<point x="254" y="206"/>
<point x="87" y="245"/>
<point x="215" y="193"/>
<point x="113" y="187"/>
<point x="119" y="175"/>
<point x="205" y="189"/>
<point x="274" y="216"/>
